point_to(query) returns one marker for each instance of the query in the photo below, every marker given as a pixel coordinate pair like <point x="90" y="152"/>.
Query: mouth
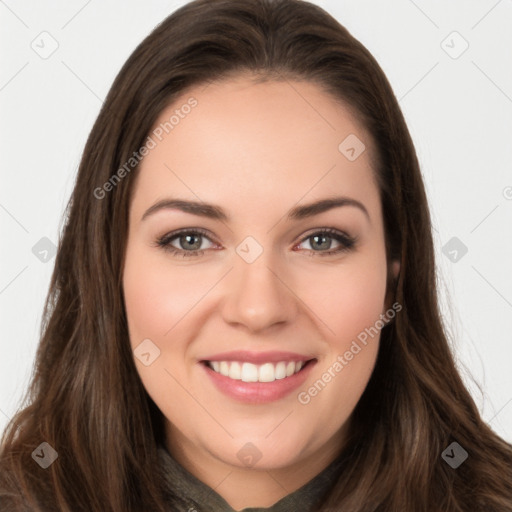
<point x="253" y="383"/>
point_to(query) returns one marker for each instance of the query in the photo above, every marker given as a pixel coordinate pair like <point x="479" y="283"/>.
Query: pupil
<point x="190" y="245"/>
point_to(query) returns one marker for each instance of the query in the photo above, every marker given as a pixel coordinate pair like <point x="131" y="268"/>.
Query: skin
<point x="256" y="150"/>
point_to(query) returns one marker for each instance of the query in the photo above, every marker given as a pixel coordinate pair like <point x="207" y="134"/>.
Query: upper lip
<point x="258" y="357"/>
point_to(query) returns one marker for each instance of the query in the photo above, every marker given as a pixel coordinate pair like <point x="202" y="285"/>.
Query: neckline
<point x="196" y="495"/>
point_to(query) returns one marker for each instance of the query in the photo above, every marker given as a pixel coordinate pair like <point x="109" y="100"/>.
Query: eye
<point x="188" y="240"/>
<point x="322" y="240"/>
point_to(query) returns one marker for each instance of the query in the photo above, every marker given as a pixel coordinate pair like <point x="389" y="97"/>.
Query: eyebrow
<point x="215" y="212"/>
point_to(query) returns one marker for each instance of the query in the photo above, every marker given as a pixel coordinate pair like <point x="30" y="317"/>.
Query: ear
<point x="393" y="271"/>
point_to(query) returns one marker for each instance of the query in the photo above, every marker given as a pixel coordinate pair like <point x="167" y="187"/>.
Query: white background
<point x="459" y="112"/>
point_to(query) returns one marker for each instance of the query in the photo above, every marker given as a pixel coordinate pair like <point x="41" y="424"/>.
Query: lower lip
<point x="258" y="392"/>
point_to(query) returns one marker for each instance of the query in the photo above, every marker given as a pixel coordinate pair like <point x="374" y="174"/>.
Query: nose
<point x="258" y="296"/>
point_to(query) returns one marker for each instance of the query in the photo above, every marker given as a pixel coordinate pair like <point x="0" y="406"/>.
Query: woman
<point x="267" y="371"/>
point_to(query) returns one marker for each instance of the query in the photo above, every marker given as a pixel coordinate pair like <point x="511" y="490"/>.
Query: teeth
<point x="266" y="373"/>
<point x="224" y="368"/>
<point x="235" y="371"/>
<point x="280" y="371"/>
<point x="248" y="372"/>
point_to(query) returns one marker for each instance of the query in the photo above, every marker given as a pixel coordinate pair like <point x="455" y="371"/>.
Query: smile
<point x="257" y="383"/>
<point x="249" y="372"/>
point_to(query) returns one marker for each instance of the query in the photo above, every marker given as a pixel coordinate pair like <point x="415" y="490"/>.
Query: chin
<point x="261" y="452"/>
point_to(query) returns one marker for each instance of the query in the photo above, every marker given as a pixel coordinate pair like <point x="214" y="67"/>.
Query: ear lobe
<point x="395" y="268"/>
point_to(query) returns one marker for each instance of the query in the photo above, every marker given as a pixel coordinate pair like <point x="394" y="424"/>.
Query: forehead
<point x="253" y="144"/>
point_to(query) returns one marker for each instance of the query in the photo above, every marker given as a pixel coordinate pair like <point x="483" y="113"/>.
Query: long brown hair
<point x="86" y="399"/>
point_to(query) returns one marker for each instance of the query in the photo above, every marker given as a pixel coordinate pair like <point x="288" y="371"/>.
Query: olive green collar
<point x="189" y="494"/>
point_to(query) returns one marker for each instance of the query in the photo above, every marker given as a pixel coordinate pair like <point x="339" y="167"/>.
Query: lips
<point x="257" y="377"/>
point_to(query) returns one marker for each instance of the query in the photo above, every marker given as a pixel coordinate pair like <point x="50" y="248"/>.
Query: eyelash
<point x="347" y="242"/>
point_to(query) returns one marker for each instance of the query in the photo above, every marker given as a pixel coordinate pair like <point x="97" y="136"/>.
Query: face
<point x="245" y="316"/>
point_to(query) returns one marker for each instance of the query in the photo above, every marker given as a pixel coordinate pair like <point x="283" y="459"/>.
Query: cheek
<point x="348" y="299"/>
<point x="349" y="304"/>
<point x="156" y="297"/>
